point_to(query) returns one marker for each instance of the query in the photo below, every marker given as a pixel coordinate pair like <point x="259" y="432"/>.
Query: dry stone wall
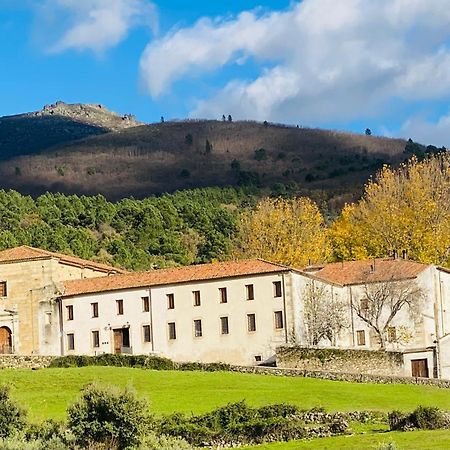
<point x="367" y="362"/>
<point x="25" y="362"/>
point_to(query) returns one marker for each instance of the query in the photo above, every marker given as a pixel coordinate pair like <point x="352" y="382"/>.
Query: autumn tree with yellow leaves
<point x="287" y="231"/>
<point x="402" y="209"/>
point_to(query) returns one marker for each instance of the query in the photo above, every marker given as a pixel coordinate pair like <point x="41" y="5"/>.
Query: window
<point x="223" y="295"/>
<point x="95" y="339"/>
<point x="251" y="322"/>
<point x="119" y="306"/>
<point x="361" y="337"/>
<point x="172" y="330"/>
<point x="224" y="325"/>
<point x="3" y="290"/>
<point x="279" y="322"/>
<point x="145" y="304"/>
<point x="146" y="333"/>
<point x="258" y="358"/>
<point x="392" y="334"/>
<point x="94" y="309"/>
<point x="170" y="301"/>
<point x="250" y="292"/>
<point x="277" y="288"/>
<point x="70" y="341"/>
<point x="69" y="311"/>
<point x="364" y="304"/>
<point x="196" y="295"/>
<point x="198" y="328"/>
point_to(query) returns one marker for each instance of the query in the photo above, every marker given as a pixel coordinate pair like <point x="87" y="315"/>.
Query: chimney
<point x="405" y="254"/>
<point x="394" y="254"/>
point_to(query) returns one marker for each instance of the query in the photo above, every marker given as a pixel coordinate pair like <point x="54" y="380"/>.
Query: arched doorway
<point x="5" y="340"/>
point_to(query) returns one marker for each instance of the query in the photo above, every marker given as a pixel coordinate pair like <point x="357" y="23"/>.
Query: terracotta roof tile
<point x="170" y="276"/>
<point x="368" y="271"/>
<point x="25" y="253"/>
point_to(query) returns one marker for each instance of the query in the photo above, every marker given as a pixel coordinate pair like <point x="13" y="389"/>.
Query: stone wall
<point x="351" y="377"/>
<point x="339" y="360"/>
<point x="25" y="362"/>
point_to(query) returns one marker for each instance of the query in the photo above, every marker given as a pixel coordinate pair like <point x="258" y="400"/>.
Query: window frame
<point x="145" y="303"/>
<point x="172" y="326"/>
<point x="278" y="318"/>
<point x="119" y="307"/>
<point x="94" y="310"/>
<point x="69" y="312"/>
<point x="146" y="332"/>
<point x="70" y="342"/>
<point x="360" y="338"/>
<point x="250" y="292"/>
<point x="198" y="330"/>
<point x="253" y="328"/>
<point x="170" y="300"/>
<point x="224" y="321"/>
<point x="223" y="295"/>
<point x="197" y="301"/>
<point x="93" y="339"/>
<point x="3" y="288"/>
<point x="277" y="289"/>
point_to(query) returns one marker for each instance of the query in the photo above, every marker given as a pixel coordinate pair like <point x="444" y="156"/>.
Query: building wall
<point x="30" y="287"/>
<point x="238" y="347"/>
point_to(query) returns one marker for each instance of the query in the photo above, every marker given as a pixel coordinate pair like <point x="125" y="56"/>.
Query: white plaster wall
<point x="238" y="347"/>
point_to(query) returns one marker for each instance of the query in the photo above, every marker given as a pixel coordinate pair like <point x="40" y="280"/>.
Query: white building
<point x="234" y="312"/>
<point x="424" y="337"/>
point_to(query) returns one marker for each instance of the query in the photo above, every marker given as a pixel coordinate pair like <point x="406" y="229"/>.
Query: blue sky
<point x="346" y="65"/>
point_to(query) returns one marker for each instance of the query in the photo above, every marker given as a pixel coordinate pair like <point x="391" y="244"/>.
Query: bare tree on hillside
<point x="325" y="316"/>
<point x="383" y="301"/>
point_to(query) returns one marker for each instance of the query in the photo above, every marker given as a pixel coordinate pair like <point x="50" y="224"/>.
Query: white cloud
<point x="427" y="132"/>
<point x="323" y="60"/>
<point x="95" y="25"/>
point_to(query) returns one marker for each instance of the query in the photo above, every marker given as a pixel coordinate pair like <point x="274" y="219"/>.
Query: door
<point x="419" y="368"/>
<point x="5" y="340"/>
<point x="118" y="341"/>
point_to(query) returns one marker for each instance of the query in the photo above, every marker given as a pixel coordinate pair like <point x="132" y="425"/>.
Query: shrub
<point x="153" y="442"/>
<point x="260" y="154"/>
<point x="12" y="416"/>
<point x="108" y="416"/>
<point x="387" y="446"/>
<point x="428" y="418"/>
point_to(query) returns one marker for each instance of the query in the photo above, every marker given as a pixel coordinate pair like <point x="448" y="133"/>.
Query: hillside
<point x="55" y="124"/>
<point x="147" y="159"/>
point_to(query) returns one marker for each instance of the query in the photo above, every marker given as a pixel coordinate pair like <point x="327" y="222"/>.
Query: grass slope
<point x="416" y="440"/>
<point x="48" y="392"/>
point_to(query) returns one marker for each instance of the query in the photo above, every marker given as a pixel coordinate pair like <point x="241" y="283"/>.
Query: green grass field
<point x="47" y="393"/>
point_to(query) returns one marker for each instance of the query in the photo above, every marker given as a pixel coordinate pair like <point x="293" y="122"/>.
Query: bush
<point x="12" y="416"/>
<point x="153" y="442"/>
<point x="108" y="416"/>
<point x="423" y="417"/>
<point x="387" y="446"/>
<point x="260" y="154"/>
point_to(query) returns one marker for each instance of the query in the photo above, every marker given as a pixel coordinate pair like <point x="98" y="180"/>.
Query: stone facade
<point x="341" y="360"/>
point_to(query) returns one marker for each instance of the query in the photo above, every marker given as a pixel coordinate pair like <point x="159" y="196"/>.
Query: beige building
<point x="423" y="335"/>
<point x="29" y="280"/>
<point x="235" y="312"/>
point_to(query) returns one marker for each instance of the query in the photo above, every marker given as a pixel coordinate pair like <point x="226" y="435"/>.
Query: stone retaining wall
<point x="25" y="362"/>
<point x="341" y="360"/>
<point x="341" y="376"/>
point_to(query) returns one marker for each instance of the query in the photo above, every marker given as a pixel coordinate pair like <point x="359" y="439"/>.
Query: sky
<point x="346" y="64"/>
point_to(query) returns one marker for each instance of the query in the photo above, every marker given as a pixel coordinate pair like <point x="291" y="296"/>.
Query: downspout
<point x="151" y="318"/>
<point x="61" y="326"/>
<point x="284" y="310"/>
<point x="437" y="313"/>
<point x="352" y="316"/>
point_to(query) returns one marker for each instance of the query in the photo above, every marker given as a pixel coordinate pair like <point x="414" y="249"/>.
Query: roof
<point x="369" y="271"/>
<point x="26" y="253"/>
<point x="159" y="277"/>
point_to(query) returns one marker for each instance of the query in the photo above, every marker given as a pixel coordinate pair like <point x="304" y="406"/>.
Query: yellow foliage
<point x="290" y="232"/>
<point x="404" y="209"/>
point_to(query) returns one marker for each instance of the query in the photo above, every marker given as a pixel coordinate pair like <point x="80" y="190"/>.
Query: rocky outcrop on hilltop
<point x="91" y="114"/>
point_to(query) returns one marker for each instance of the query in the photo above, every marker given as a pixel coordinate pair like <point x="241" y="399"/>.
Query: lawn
<point x="413" y="440"/>
<point x="46" y="393"/>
